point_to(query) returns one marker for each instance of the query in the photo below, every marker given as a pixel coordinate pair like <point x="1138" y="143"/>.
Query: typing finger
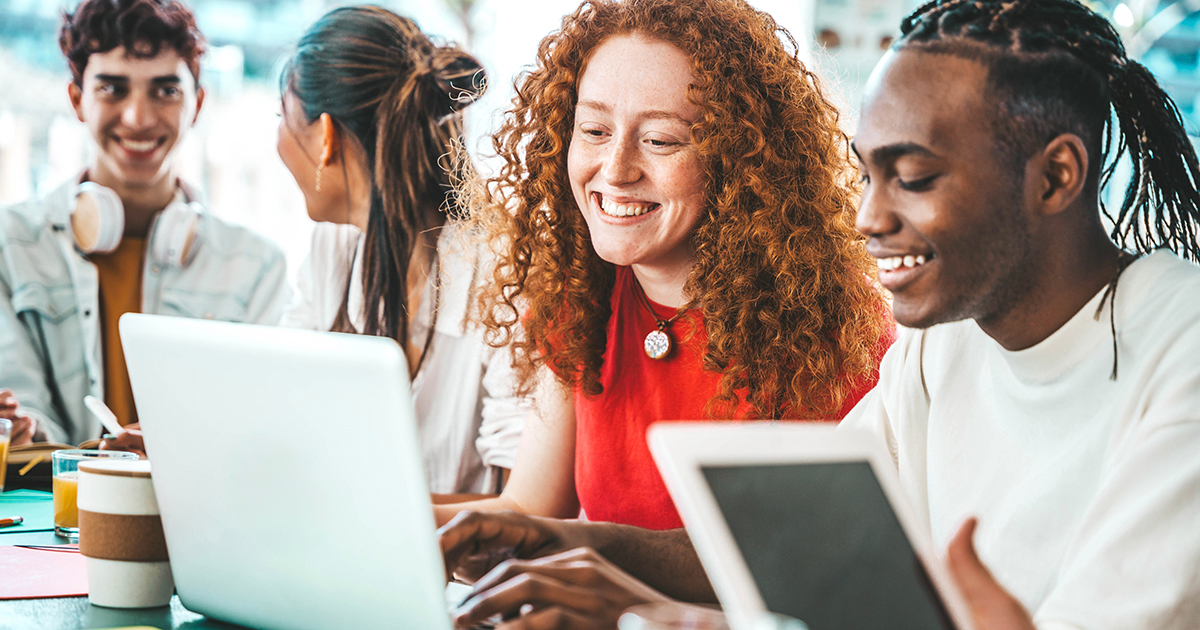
<point x="474" y="534"/>
<point x="555" y="618"/>
<point x="531" y="588"/>
<point x="582" y="566"/>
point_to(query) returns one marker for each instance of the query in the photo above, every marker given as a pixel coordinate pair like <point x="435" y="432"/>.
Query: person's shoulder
<point x="1169" y="269"/>
<point x="27" y="220"/>
<point x="334" y="238"/>
<point x="22" y="221"/>
<point x="465" y="265"/>
<point x="1160" y="285"/>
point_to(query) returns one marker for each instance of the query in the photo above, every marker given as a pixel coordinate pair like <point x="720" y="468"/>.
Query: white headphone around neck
<point x="98" y="223"/>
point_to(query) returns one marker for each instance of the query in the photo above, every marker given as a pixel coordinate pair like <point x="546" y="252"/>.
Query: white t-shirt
<point x="1087" y="489"/>
<point x="469" y="420"/>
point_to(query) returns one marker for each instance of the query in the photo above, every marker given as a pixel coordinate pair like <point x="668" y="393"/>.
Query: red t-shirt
<point x="615" y="476"/>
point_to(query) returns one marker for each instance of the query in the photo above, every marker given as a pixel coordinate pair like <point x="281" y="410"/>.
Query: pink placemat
<point x="45" y="572"/>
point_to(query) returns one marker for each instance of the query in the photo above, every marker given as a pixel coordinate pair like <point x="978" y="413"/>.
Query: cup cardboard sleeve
<point x="121" y="535"/>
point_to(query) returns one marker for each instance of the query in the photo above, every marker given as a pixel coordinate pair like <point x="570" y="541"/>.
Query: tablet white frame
<point x="681" y="449"/>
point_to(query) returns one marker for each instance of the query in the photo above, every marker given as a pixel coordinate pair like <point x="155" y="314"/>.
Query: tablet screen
<point x="824" y="546"/>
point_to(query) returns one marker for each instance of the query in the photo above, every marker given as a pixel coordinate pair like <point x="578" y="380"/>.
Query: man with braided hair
<point x="1047" y="387"/>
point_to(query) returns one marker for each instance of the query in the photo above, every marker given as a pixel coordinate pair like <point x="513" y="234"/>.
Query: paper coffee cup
<point x="121" y="535"/>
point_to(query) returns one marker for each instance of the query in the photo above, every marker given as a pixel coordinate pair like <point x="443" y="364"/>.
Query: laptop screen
<point x="823" y="546"/>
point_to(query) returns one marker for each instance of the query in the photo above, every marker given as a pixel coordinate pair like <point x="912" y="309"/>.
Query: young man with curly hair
<point x="126" y="235"/>
<point x="1046" y="394"/>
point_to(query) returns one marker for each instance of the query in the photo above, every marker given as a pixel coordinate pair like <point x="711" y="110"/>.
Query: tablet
<point x="806" y="520"/>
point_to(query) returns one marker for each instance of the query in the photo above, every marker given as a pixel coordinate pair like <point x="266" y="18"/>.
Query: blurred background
<point x="231" y="152"/>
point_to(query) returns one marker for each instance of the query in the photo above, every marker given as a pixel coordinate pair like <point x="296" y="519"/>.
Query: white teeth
<point x="614" y="209"/>
<point x="139" y="145"/>
<point x="893" y="263"/>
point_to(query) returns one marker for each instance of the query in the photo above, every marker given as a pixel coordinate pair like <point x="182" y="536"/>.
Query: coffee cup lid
<point x="117" y="467"/>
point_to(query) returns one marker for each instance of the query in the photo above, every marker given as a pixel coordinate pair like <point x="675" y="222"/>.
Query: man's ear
<point x="330" y="141"/>
<point x="199" y="103"/>
<point x="1062" y="170"/>
<point x="75" y="93"/>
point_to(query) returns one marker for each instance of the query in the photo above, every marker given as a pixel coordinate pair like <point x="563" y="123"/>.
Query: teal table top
<point x="70" y="613"/>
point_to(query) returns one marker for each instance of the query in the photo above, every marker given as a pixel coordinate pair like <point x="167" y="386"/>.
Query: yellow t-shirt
<point x="120" y="273"/>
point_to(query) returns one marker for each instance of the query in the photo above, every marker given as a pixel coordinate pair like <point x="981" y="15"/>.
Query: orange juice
<point x="66" y="489"/>
<point x="3" y="459"/>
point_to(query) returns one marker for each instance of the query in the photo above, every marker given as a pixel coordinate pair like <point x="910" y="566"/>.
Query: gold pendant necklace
<point x="658" y="342"/>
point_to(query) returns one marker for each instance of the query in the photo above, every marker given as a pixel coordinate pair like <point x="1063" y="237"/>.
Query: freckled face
<point x="634" y="170"/>
<point x="137" y="110"/>
<point x="944" y="214"/>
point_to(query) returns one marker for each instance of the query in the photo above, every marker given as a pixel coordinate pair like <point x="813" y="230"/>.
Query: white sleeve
<point x="303" y="312"/>
<point x="322" y="277"/>
<point x="897" y="411"/>
<point x="1135" y="564"/>
<point x="898" y="400"/>
<point x="504" y="412"/>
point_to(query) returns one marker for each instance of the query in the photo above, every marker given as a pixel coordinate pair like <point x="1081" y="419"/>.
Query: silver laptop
<point x="288" y="474"/>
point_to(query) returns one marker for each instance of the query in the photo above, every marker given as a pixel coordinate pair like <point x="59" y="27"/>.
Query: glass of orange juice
<point x="66" y="485"/>
<point x="5" y="434"/>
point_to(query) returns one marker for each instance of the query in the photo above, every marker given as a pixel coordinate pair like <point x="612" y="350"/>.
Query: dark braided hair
<point x="1056" y="67"/>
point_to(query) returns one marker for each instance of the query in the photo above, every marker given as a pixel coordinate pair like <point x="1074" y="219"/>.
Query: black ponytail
<point x="398" y="95"/>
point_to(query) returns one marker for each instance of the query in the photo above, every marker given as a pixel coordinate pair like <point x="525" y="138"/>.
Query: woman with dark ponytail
<point x="371" y="131"/>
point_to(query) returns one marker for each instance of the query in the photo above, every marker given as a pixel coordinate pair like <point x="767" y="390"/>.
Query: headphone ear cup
<point x="98" y="221"/>
<point x="176" y="232"/>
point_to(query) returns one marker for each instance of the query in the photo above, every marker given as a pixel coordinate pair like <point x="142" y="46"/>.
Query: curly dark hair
<point x="143" y="27"/>
<point x="781" y="277"/>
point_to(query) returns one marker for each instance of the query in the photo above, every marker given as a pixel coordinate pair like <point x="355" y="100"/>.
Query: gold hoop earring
<point x="319" y="167"/>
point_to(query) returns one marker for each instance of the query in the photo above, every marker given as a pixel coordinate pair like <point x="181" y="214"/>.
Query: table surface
<point x="71" y="613"/>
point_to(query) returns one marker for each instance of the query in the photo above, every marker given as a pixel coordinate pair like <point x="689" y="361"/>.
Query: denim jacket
<point x="50" y="339"/>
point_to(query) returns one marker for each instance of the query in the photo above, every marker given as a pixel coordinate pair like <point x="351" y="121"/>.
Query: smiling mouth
<point x="901" y="263"/>
<point x="615" y="209"/>
<point x="140" y="146"/>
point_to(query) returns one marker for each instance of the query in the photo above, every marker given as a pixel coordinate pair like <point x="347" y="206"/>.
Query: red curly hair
<point x="781" y="277"/>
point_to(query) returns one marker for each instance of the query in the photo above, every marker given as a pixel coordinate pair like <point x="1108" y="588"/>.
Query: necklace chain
<point x="658" y="343"/>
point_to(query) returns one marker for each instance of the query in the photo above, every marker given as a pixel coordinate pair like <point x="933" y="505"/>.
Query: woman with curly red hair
<point x="675" y="220"/>
<point x="675" y="226"/>
<point x="674" y="231"/>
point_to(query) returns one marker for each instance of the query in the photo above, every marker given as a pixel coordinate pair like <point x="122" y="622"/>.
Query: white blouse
<point x="468" y="418"/>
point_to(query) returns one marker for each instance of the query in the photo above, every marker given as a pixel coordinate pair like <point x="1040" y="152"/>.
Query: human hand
<point x="992" y="607"/>
<point x="128" y="440"/>
<point x="475" y="542"/>
<point x="578" y="588"/>
<point x="23" y="426"/>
